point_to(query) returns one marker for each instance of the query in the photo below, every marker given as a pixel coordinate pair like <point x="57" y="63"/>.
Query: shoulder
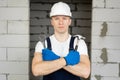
<point x="39" y="46"/>
<point x="79" y="37"/>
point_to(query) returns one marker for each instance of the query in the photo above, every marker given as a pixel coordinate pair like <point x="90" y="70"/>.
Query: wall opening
<point x="40" y="26"/>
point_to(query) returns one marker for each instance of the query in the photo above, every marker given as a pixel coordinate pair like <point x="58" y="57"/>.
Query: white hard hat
<point x="60" y="8"/>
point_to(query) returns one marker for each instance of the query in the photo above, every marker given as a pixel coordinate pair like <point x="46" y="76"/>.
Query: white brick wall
<point x="18" y="77"/>
<point x="106" y="78"/>
<point x="18" y="27"/>
<point x="3" y="27"/>
<point x="18" y="54"/>
<point x="2" y="77"/>
<point x="113" y="3"/>
<point x="105" y="11"/>
<point x="105" y="69"/>
<point x="106" y="42"/>
<point x="18" y="3"/>
<point x="106" y="15"/>
<point x="14" y="13"/>
<point x="13" y="67"/>
<point x="14" y="39"/>
<point x="3" y="3"/>
<point x="98" y="3"/>
<point x="3" y="54"/>
<point x="111" y="54"/>
<point x="113" y="29"/>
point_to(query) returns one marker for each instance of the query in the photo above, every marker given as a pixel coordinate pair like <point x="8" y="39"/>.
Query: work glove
<point x="72" y="58"/>
<point x="48" y="55"/>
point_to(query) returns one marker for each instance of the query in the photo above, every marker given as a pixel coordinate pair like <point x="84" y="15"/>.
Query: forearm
<point x="47" y="67"/>
<point x="81" y="69"/>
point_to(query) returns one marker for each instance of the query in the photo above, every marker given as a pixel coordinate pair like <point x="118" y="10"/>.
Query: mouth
<point x="61" y="27"/>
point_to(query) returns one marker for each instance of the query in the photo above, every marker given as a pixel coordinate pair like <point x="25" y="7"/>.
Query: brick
<point x="84" y="23"/>
<point x="3" y="77"/>
<point x="106" y="78"/>
<point x="38" y="14"/>
<point x="18" y="77"/>
<point x="85" y="32"/>
<point x="3" y="3"/>
<point x="109" y="15"/>
<point x="81" y="14"/>
<point x="50" y="1"/>
<point x="113" y="56"/>
<point x="113" y="3"/>
<point x="39" y="29"/>
<point x="72" y="6"/>
<point x="105" y="69"/>
<point x="98" y="4"/>
<point x="51" y="30"/>
<point x="18" y="3"/>
<point x="14" y="41"/>
<point x="109" y="42"/>
<point x="34" y="37"/>
<point x="14" y="67"/>
<point x="14" y="14"/>
<point x="40" y="6"/>
<point x="18" y="54"/>
<point x="18" y="27"/>
<point x="3" y="53"/>
<point x="110" y="78"/>
<point x="113" y="28"/>
<point x="85" y="7"/>
<point x="40" y="37"/>
<point x="81" y="1"/>
<point x="3" y="27"/>
<point x="79" y="30"/>
<point x="40" y="22"/>
<point x="33" y="44"/>
<point x="46" y="6"/>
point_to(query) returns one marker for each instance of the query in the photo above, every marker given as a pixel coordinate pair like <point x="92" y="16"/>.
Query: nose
<point x="61" y="21"/>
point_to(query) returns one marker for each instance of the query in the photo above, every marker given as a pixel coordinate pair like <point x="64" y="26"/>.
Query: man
<point x="58" y="61"/>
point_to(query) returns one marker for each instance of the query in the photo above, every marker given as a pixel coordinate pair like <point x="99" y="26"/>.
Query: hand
<point x="48" y="55"/>
<point x="72" y="58"/>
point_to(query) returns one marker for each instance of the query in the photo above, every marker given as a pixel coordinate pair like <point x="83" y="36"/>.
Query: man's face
<point x="61" y="23"/>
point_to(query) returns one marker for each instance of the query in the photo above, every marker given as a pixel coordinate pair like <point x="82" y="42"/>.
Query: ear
<point x="51" y="21"/>
<point x="70" y="22"/>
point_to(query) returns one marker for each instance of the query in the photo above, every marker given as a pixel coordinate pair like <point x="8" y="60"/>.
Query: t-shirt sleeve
<point x="39" y="46"/>
<point x="82" y="47"/>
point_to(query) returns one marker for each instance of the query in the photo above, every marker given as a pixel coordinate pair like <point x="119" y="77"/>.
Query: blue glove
<point x="72" y="58"/>
<point x="48" y="55"/>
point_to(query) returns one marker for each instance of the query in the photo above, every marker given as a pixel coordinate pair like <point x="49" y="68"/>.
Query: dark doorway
<point x="40" y="26"/>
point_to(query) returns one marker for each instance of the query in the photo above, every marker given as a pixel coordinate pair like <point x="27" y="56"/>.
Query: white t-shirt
<point x="62" y="48"/>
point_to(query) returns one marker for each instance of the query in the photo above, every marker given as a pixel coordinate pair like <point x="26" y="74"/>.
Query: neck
<point x="61" y="37"/>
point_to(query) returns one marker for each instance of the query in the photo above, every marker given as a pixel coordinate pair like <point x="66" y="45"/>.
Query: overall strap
<point x="48" y="43"/>
<point x="71" y="45"/>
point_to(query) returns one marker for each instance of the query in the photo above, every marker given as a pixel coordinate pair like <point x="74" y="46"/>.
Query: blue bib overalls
<point x="61" y="74"/>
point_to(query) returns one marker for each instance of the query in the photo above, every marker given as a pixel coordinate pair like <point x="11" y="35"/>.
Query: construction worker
<point x="65" y="57"/>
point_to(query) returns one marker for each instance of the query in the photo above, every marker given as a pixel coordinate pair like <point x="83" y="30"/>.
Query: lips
<point x="61" y="27"/>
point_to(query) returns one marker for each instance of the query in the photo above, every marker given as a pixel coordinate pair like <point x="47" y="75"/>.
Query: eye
<point x="56" y="18"/>
<point x="65" y="18"/>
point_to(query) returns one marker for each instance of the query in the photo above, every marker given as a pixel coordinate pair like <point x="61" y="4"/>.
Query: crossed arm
<point x="40" y="67"/>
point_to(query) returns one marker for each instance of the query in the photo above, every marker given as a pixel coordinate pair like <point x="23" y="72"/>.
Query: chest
<point x="60" y="49"/>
